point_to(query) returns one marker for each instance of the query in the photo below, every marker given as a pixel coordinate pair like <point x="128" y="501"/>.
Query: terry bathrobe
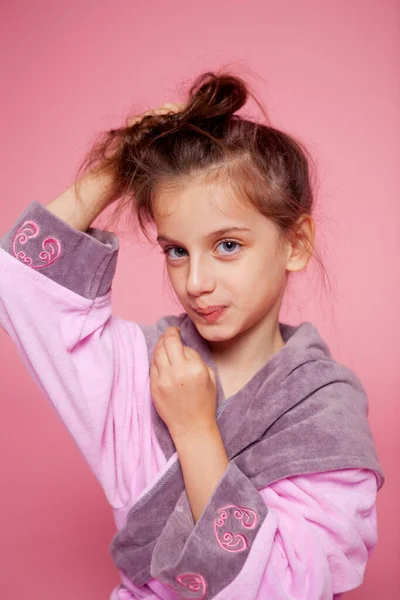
<point x="292" y="517"/>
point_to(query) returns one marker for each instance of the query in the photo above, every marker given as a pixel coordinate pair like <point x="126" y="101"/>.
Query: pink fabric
<point x="93" y="368"/>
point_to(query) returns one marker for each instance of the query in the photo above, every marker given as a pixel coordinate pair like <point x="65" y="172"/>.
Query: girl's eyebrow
<point x="211" y="235"/>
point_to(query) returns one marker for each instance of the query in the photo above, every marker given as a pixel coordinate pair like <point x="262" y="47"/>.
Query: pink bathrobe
<point x="93" y="367"/>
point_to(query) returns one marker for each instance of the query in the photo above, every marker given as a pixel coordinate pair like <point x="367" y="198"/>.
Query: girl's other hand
<point x="183" y="387"/>
<point x="165" y="108"/>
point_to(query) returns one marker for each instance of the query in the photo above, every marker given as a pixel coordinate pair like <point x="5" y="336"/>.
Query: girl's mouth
<point x="212" y="316"/>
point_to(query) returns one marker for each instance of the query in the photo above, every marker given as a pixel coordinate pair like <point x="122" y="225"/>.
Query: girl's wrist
<point x="82" y="202"/>
<point x="191" y="435"/>
<point x="95" y="191"/>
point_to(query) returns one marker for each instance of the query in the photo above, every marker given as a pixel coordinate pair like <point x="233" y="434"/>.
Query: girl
<point x="234" y="450"/>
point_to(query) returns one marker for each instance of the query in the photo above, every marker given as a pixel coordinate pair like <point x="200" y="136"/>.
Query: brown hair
<point x="267" y="167"/>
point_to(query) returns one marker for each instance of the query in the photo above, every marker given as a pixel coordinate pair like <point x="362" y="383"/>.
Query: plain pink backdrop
<point x="327" y="71"/>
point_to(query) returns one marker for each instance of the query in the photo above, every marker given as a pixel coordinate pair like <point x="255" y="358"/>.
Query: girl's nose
<point x="200" y="279"/>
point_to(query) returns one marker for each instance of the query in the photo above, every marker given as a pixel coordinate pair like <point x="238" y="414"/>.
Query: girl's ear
<point x="301" y="244"/>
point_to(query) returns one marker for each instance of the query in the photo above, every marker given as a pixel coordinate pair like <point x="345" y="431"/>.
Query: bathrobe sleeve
<point x="55" y="304"/>
<point x="306" y="537"/>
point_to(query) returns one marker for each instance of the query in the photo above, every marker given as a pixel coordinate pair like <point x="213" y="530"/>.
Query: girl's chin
<point x="215" y="333"/>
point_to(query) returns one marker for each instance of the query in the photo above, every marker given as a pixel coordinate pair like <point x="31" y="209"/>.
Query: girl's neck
<point x="247" y="352"/>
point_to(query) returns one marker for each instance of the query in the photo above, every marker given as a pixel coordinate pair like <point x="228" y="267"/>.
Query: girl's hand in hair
<point x="164" y="109"/>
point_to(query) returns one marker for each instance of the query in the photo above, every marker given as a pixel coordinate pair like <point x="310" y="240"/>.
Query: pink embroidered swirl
<point x="228" y="541"/>
<point x="51" y="246"/>
<point x="194" y="582"/>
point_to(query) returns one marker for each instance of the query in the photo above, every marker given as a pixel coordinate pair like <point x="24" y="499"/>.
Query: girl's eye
<point x="179" y="254"/>
<point x="230" y="246"/>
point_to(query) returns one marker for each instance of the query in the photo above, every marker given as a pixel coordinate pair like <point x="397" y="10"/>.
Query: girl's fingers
<point x="160" y="357"/>
<point x="173" y="106"/>
<point x="173" y="346"/>
<point x="165" y="108"/>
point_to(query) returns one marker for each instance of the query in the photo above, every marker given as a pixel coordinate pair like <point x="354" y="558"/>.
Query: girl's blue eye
<point x="229" y="245"/>
<point x="181" y="252"/>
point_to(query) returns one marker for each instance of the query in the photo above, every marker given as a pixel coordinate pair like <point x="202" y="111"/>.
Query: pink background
<point x="327" y="71"/>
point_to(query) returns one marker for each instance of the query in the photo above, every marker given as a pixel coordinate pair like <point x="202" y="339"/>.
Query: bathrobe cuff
<point x="84" y="262"/>
<point x="200" y="559"/>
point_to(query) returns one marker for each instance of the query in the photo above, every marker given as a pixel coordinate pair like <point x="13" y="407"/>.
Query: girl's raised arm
<point x="56" y="274"/>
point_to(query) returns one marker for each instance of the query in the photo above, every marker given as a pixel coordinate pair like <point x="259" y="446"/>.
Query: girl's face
<point x="220" y="252"/>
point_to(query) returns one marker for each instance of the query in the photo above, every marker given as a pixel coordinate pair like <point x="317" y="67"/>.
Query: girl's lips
<point x="211" y="317"/>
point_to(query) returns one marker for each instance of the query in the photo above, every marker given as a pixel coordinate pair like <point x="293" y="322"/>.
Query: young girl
<point x="234" y="450"/>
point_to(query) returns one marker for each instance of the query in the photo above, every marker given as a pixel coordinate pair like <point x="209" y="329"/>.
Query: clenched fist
<point x="183" y="387"/>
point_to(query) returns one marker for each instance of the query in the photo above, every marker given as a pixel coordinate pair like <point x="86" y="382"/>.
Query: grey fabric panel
<point x="83" y="262"/>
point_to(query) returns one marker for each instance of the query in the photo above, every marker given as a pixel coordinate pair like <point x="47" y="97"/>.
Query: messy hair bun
<point x="216" y="96"/>
<point x="212" y="100"/>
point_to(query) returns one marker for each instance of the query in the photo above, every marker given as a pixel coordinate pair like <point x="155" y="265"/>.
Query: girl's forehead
<point x="199" y="213"/>
<point x="208" y="201"/>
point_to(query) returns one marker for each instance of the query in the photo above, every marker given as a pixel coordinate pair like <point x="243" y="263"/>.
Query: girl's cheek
<point x="177" y="280"/>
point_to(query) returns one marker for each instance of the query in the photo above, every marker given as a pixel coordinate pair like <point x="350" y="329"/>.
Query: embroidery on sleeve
<point x="229" y="541"/>
<point x="51" y="246"/>
<point x="193" y="582"/>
